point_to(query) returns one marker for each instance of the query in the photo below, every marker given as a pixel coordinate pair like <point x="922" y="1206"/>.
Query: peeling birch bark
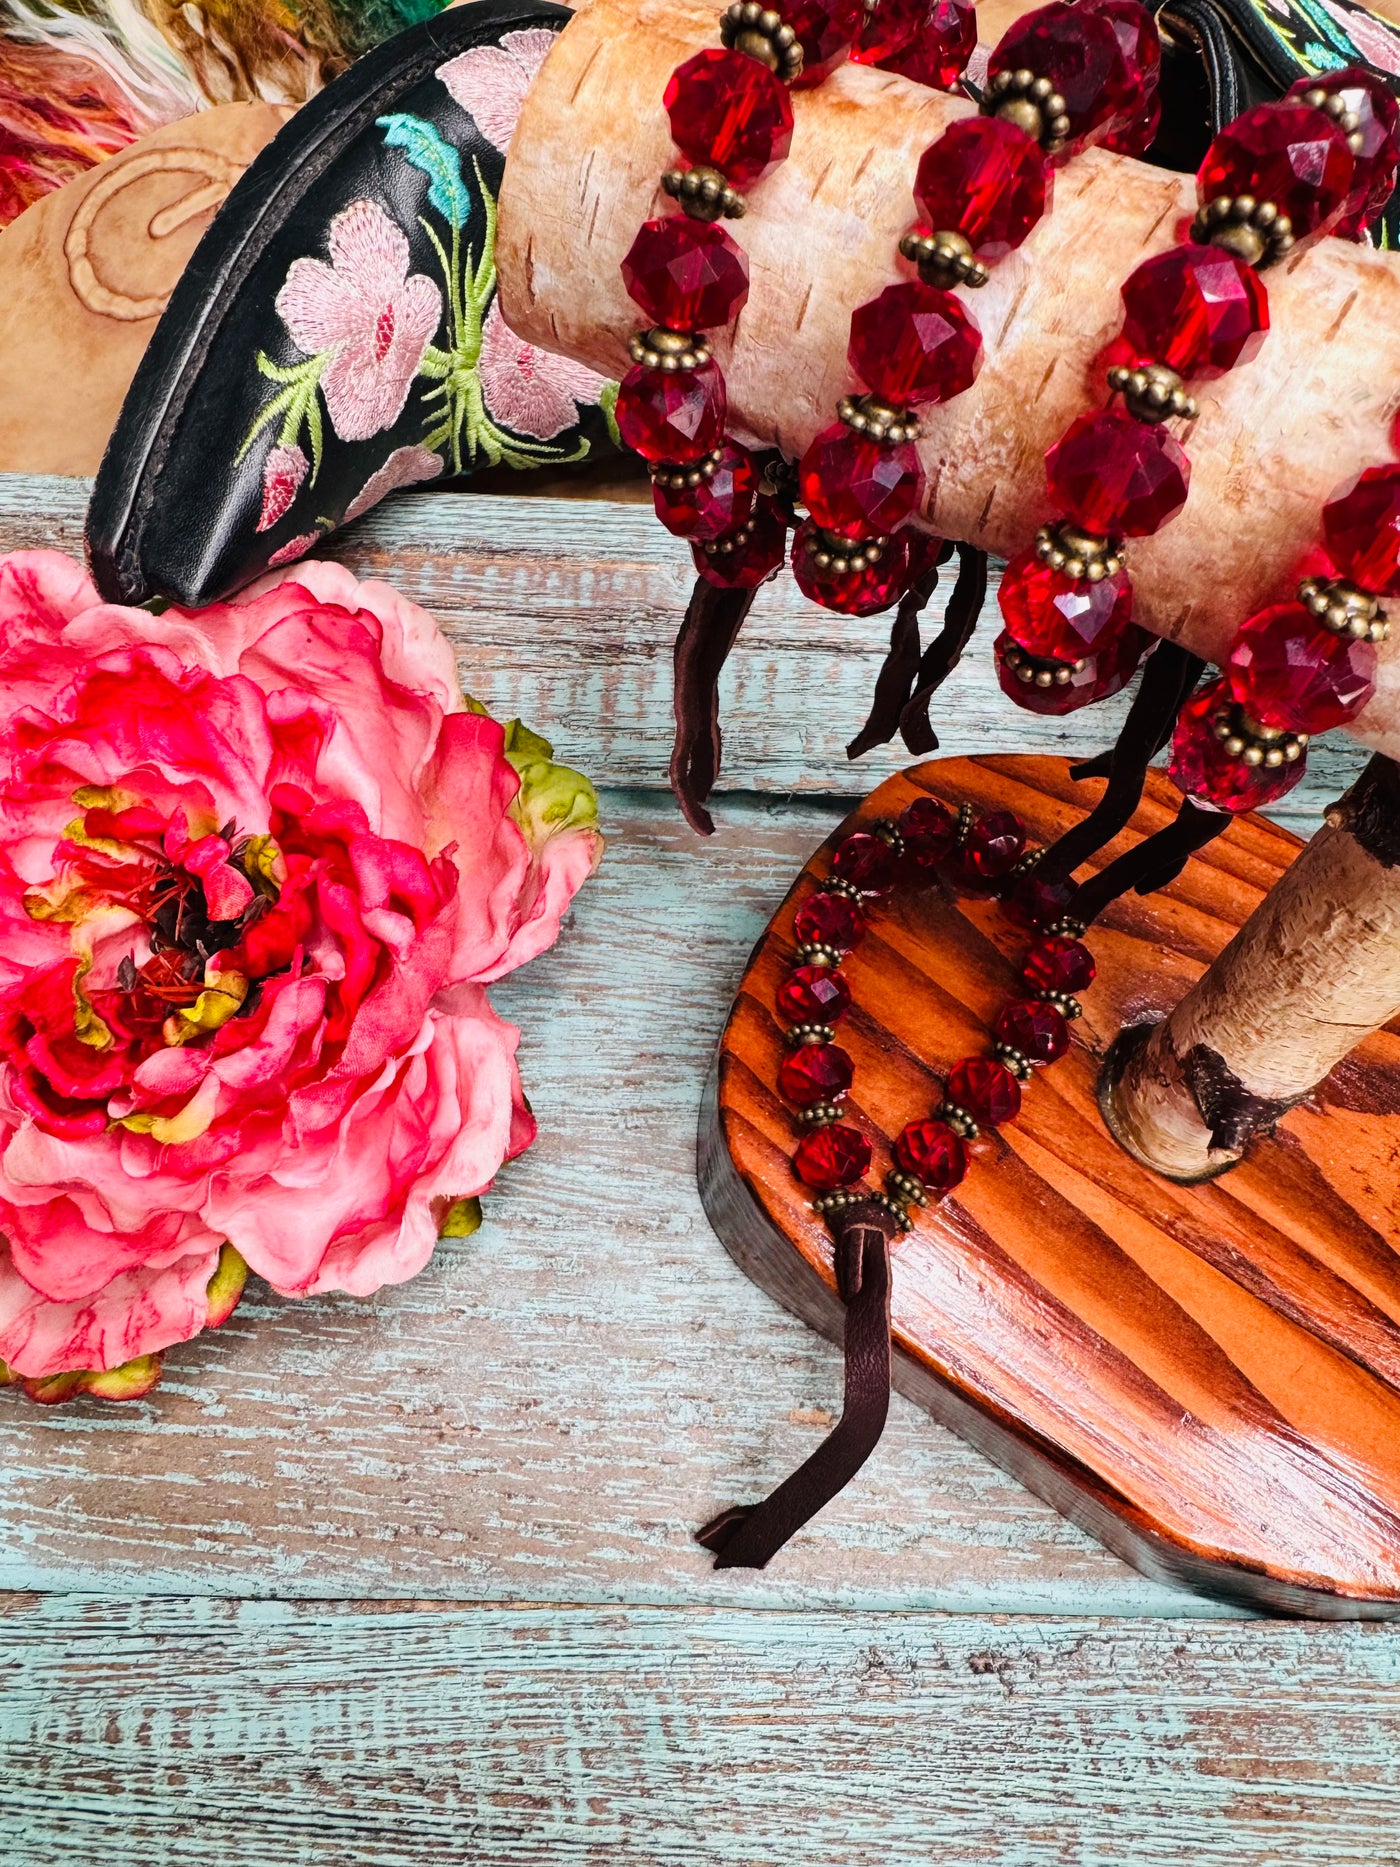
<point x="1275" y="438"/>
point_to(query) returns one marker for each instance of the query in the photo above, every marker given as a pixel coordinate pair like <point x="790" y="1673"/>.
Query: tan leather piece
<point x="86" y="272"/>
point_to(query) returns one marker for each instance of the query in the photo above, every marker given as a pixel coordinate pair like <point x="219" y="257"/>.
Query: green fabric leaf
<point x="438" y="160"/>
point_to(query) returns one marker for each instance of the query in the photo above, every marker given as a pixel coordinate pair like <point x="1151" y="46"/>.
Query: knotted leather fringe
<point x="1157" y="860"/>
<point x="748" y="1539"/>
<point x="907" y="681"/>
<point x="1167" y="681"/>
<point x="709" y="631"/>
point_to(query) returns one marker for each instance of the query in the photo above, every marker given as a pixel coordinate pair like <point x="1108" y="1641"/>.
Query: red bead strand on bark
<point x="985" y="179"/>
<point x="1289" y="154"/>
<point x="730" y="113"/>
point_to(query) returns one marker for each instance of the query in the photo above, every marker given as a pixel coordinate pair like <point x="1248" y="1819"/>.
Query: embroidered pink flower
<point x="406" y="466"/>
<point x="294" y="548"/>
<point x="367" y="310"/>
<point x="490" y="81"/>
<point x="531" y="390"/>
<point x="257" y="865"/>
<point x="283" y="472"/>
<point x="1373" y="38"/>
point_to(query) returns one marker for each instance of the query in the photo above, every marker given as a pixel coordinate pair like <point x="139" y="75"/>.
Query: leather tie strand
<point x="710" y="629"/>
<point x="748" y="1539"/>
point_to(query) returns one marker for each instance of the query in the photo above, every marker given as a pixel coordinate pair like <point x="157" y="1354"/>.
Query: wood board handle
<point x="1275" y="437"/>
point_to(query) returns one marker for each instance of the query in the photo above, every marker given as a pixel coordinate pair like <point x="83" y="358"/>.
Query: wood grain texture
<point x="564" y="612"/>
<point x="248" y="1734"/>
<point x="1208" y="1376"/>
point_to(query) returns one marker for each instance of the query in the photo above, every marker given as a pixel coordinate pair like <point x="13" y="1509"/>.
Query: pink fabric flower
<point x="257" y="864"/>
<point x="367" y="310"/>
<point x="490" y="81"/>
<point x="406" y="466"/>
<point x="529" y="389"/>
<point x="283" y="472"/>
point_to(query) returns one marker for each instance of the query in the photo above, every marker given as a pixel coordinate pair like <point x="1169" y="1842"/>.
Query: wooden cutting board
<point x="1208" y="1377"/>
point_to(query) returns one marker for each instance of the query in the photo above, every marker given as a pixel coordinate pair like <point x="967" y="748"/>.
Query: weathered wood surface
<point x="564" y="611"/>
<point x="1207" y="1375"/>
<point x="247" y="1734"/>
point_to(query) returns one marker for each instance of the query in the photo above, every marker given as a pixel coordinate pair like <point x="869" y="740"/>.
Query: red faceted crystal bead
<point x="914" y="344"/>
<point x="1361" y="524"/>
<point x="1137" y="137"/>
<point x="674" y="417"/>
<point x="729" y="112"/>
<point x="855" y="487"/>
<point x="929" y="830"/>
<point x="1058" y="964"/>
<point x="815" y="1073"/>
<point x="1079" y="52"/>
<point x="1288" y="671"/>
<point x="1037" y="1030"/>
<point x="826" y="30"/>
<point x="986" y="1089"/>
<point x="829" y="920"/>
<point x="995" y="844"/>
<point x="940" y="38"/>
<point x="718" y="503"/>
<point x="1202" y="769"/>
<point x="856" y="592"/>
<point x="830" y="1157"/>
<point x="986" y="180"/>
<point x="1112" y="474"/>
<point x="1137" y="38"/>
<point x="1095" y="677"/>
<point x="1061" y="618"/>
<point x="742" y="560"/>
<point x="1290" y="154"/>
<point x="1198" y="309"/>
<point x="813" y="995"/>
<point x="1372" y="102"/>
<point x="866" y="861"/>
<point x="1036" y="902"/>
<point x="932" y="1153"/>
<point x="687" y="275"/>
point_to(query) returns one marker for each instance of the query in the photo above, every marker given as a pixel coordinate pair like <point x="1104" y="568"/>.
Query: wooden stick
<point x="1314" y="970"/>
<point x="1275" y="437"/>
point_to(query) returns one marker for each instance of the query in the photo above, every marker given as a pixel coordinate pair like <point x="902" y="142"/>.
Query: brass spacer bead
<point x="1031" y="103"/>
<point x="839" y="1200"/>
<point x="660" y="349"/>
<point x="888" y="833"/>
<point x="838" y="885"/>
<point x="1034" y="671"/>
<point x="1153" y="392"/>
<point x="797" y="1035"/>
<point x="812" y="953"/>
<point x="944" y="259"/>
<point x="682" y="479"/>
<point x="1014" y="1060"/>
<point x="1254" y="231"/>
<point x="1067" y="925"/>
<point x="1254" y="744"/>
<point x="906" y="1188"/>
<point x="838" y="557"/>
<point x="704" y="194"/>
<point x="723" y="547"/>
<point x="1344" y="609"/>
<point x="957" y="1119"/>
<point x="868" y="415"/>
<point x="963" y="828"/>
<point x="896" y="1208"/>
<point x="1335" y="107"/>
<point x="1066" y="1006"/>
<point x="762" y="34"/>
<point x="818" y="1114"/>
<point x="1065" y="547"/>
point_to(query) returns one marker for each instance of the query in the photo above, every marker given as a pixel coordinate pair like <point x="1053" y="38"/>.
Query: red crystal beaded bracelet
<point x="977" y="855"/>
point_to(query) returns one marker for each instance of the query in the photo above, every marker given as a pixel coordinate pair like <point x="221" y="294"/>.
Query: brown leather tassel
<point x="748" y="1539"/>
<point x="900" y="669"/>
<point x="1167" y="680"/>
<point x="709" y="631"/>
<point x="946" y="650"/>
<point x="1157" y="860"/>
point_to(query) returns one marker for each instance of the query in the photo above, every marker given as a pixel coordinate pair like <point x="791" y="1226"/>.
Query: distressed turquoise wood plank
<point x="550" y="1409"/>
<point x="563" y="611"/>
<point x="186" y="1733"/>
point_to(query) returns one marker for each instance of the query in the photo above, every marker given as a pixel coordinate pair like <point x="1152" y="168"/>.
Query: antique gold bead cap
<point x="839" y="556"/>
<point x="1254" y="231"/>
<point x="1344" y="609"/>
<point x="682" y="479"/>
<point x="704" y="194"/>
<point x="660" y="349"/>
<point x="1031" y="103"/>
<point x="1253" y="744"/>
<point x="1065" y="547"/>
<point x="944" y="259"/>
<point x="867" y="414"/>
<point x="1032" y="671"/>
<point x="1335" y="107"/>
<point x="1153" y="392"/>
<point x="731" y="541"/>
<point x="762" y="34"/>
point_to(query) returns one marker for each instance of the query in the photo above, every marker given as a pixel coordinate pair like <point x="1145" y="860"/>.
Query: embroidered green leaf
<point x="607" y="401"/>
<point x="438" y="160"/>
